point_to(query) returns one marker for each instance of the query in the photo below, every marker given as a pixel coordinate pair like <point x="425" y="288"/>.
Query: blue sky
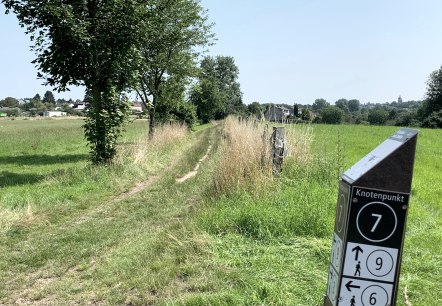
<point x="292" y="51"/>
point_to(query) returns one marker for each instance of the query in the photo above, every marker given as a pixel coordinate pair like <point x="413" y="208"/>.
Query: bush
<point x="377" y="116"/>
<point x="332" y="115"/>
<point x="434" y="120"/>
<point x="182" y="112"/>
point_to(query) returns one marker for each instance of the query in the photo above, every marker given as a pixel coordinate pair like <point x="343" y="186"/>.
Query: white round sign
<point x="375" y="296"/>
<point x="380" y="263"/>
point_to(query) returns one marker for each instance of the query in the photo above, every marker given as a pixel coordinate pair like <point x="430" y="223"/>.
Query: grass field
<point x="71" y="233"/>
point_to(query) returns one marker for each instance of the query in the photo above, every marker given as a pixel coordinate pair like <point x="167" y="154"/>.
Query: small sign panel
<point x="333" y="286"/>
<point x="369" y="230"/>
<point x="370" y="262"/>
<point x="377" y="217"/>
<point x="364" y="293"/>
<point x="342" y="209"/>
<point x="337" y="252"/>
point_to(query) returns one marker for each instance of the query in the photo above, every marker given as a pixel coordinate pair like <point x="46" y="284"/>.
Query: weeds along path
<point x="115" y="252"/>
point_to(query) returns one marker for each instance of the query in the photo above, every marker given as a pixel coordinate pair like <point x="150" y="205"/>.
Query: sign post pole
<point x="370" y="223"/>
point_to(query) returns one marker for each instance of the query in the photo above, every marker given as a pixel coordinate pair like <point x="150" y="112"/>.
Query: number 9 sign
<point x="380" y="263"/>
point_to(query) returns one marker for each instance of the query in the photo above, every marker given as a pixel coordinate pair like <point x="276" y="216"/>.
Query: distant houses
<point x="137" y="107"/>
<point x="54" y="114"/>
<point x="277" y="113"/>
<point x="79" y="106"/>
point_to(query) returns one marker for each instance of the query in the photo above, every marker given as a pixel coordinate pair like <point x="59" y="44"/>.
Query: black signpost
<point x="371" y="214"/>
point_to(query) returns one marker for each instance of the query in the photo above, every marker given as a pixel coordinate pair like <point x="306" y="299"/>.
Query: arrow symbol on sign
<point x="349" y="286"/>
<point x="357" y="249"/>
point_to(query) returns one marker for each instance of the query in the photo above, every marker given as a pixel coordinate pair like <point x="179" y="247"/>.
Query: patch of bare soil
<point x="194" y="172"/>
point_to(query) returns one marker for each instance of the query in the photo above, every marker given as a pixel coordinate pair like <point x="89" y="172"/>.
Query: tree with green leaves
<point x="171" y="41"/>
<point x="49" y="97"/>
<point x="36" y="98"/>
<point x="377" y="116"/>
<point x="432" y="106"/>
<point x="320" y="104"/>
<point x="342" y="104"/>
<point x="295" y="110"/>
<point x="172" y="105"/>
<point x="255" y="109"/>
<point x="217" y="93"/>
<point x="332" y="115"/>
<point x="90" y="43"/>
<point x="9" y="102"/>
<point x="434" y="120"/>
<point x="354" y="105"/>
<point x="305" y="114"/>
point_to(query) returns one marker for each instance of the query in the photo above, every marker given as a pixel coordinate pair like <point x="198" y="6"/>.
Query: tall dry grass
<point x="299" y="139"/>
<point x="141" y="150"/>
<point x="245" y="157"/>
<point x="246" y="160"/>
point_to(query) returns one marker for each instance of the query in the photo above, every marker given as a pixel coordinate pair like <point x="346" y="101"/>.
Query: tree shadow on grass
<point x="8" y="179"/>
<point x="42" y="159"/>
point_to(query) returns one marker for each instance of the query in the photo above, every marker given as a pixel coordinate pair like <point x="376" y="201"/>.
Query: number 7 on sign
<point x="379" y="217"/>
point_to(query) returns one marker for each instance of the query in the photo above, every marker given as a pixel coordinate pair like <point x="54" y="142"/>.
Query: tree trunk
<point x="99" y="155"/>
<point x="152" y="116"/>
<point x="97" y="130"/>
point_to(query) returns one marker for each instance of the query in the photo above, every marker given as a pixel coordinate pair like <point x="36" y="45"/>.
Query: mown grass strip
<point x="41" y="260"/>
<point x="187" y="245"/>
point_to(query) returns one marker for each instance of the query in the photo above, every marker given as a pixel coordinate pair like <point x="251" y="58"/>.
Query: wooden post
<point x="278" y="148"/>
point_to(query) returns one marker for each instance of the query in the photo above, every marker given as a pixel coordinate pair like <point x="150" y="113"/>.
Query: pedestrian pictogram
<point x="358" y="269"/>
<point x="369" y="230"/>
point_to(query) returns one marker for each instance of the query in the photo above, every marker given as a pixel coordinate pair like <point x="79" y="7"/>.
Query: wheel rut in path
<point x="194" y="172"/>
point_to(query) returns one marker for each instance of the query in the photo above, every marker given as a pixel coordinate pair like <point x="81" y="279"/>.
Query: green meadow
<point x="129" y="234"/>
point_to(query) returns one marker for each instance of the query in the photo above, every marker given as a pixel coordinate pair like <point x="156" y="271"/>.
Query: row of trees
<point x="214" y="94"/>
<point x="48" y="99"/>
<point x="116" y="46"/>
<point x="426" y="113"/>
<point x="37" y="105"/>
<point x="394" y="113"/>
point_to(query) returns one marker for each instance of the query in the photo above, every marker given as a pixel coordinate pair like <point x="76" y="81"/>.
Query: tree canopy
<point x="377" y="116"/>
<point x="342" y="104"/>
<point x="168" y="48"/>
<point x="431" y="111"/>
<point x="332" y="115"/>
<point x="113" y="46"/>
<point x="256" y="109"/>
<point x="9" y="102"/>
<point x="353" y="105"/>
<point x="90" y="43"/>
<point x="49" y="97"/>
<point x="217" y="93"/>
<point x="319" y="104"/>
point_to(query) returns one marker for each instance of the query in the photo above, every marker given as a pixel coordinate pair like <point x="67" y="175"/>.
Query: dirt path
<point x="195" y="170"/>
